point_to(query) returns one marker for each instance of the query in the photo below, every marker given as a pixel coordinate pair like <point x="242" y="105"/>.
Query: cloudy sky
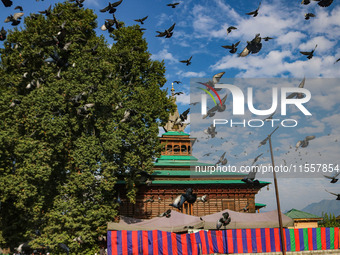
<point x="200" y="31"/>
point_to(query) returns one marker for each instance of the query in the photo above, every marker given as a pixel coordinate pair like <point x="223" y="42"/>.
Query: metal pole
<point x="277" y="196"/>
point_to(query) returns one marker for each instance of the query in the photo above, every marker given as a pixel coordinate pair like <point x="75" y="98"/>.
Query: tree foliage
<point x="77" y="114"/>
<point x="329" y="221"/>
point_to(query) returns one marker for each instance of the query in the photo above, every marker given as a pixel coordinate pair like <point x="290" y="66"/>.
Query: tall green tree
<point x="77" y="114"/>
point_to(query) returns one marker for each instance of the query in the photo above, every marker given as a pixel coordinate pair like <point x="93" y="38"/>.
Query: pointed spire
<point x="172" y="90"/>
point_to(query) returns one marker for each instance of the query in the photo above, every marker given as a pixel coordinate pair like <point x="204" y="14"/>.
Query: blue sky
<point x="200" y="32"/>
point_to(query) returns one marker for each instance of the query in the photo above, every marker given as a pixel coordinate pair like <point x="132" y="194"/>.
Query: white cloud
<point x="164" y="55"/>
<point x="191" y="74"/>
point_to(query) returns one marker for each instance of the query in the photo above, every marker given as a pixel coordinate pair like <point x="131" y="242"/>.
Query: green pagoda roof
<point x="180" y="182"/>
<point x="297" y="214"/>
<point x="175" y="133"/>
<point x="166" y="160"/>
<point x="260" y="205"/>
<point x="189" y="173"/>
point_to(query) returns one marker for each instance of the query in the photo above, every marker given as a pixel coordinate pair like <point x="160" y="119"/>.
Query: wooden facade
<point x="172" y="177"/>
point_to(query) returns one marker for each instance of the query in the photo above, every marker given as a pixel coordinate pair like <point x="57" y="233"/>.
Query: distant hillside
<point x="326" y="206"/>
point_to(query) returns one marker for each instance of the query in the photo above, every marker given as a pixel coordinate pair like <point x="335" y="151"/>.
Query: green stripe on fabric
<point x="292" y="239"/>
<point x="305" y="240"/>
<point x="318" y="238"/>
<point x="331" y="237"/>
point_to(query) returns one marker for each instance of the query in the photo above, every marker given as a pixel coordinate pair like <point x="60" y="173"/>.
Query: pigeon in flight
<point x="338" y="195"/>
<point x="111" y="7"/>
<point x="250" y="178"/>
<point x="173" y="5"/>
<point x="222" y="160"/>
<point x="309" y="15"/>
<point x="337" y="60"/>
<point x="332" y="178"/>
<point x="167" y="33"/>
<point x="47" y="12"/>
<point x="255" y="159"/>
<point x="19" y="8"/>
<point x="220" y="108"/>
<point x="188" y="61"/>
<point x="78" y="3"/>
<point x="177" y="82"/>
<point x="267" y="38"/>
<point x="211" y="130"/>
<point x="141" y="20"/>
<point x="309" y="54"/>
<point x="150" y="199"/>
<point x="256" y="12"/>
<point x="223" y="221"/>
<point x="305" y="2"/>
<point x="295" y="94"/>
<point x="304" y="143"/>
<point x="254" y="46"/>
<point x="7" y="3"/>
<point x="187" y="196"/>
<point x="216" y="78"/>
<point x="202" y="199"/>
<point x="231" y="28"/>
<point x="232" y="47"/>
<point x="166" y="214"/>
<point x="15" y="18"/>
<point x="324" y="3"/>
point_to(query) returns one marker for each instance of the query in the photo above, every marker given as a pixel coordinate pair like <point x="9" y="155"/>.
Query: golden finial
<point x="172" y="89"/>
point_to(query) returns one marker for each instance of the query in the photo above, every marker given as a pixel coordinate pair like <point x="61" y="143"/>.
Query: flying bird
<point x="232" y="47"/>
<point x="183" y="117"/>
<point x="78" y="3"/>
<point x="167" y="33"/>
<point x="188" y="61"/>
<point x="324" y="3"/>
<point x="220" y="108"/>
<point x="304" y="143"/>
<point x="3" y="34"/>
<point x="255" y="159"/>
<point x="305" y="2"/>
<point x="256" y="12"/>
<point x="295" y="94"/>
<point x="202" y="199"/>
<point x="177" y="82"/>
<point x="223" y="221"/>
<point x="47" y="12"/>
<point x="187" y="196"/>
<point x="211" y="130"/>
<point x="309" y="54"/>
<point x="173" y="5"/>
<point x="166" y="214"/>
<point x="231" y="28"/>
<point x="332" y="178"/>
<point x="267" y="38"/>
<point x="250" y="178"/>
<point x="108" y="25"/>
<point x="150" y="199"/>
<point x="15" y="18"/>
<point x="338" y="195"/>
<point x="254" y="46"/>
<point x="309" y="15"/>
<point x="111" y="7"/>
<point x="19" y="8"/>
<point x="223" y="160"/>
<point x="178" y="93"/>
<point x="7" y="3"/>
<point x="141" y="20"/>
<point x="216" y="78"/>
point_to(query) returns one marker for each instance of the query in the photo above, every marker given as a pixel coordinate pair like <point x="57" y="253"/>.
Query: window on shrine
<point x="169" y="148"/>
<point x="189" y="149"/>
<point x="184" y="149"/>
<point x="176" y="149"/>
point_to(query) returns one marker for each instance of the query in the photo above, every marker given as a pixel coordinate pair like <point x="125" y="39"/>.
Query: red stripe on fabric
<point x="174" y="243"/>
<point x="277" y="239"/>
<point x="193" y="244"/>
<point x="230" y="243"/>
<point x="310" y="239"/>
<point x="297" y="239"/>
<point x="323" y="239"/>
<point x="336" y="238"/>
<point x="203" y="242"/>
<point x="267" y="234"/>
<point x="258" y="240"/>
<point x="211" y="246"/>
<point x="184" y="244"/>
<point x="239" y="241"/>
<point x="145" y="242"/>
<point x="124" y="242"/>
<point x="134" y="237"/>
<point x="249" y="244"/>
<point x="165" y="242"/>
<point x="114" y="247"/>
<point x="219" y="241"/>
<point x="155" y="242"/>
